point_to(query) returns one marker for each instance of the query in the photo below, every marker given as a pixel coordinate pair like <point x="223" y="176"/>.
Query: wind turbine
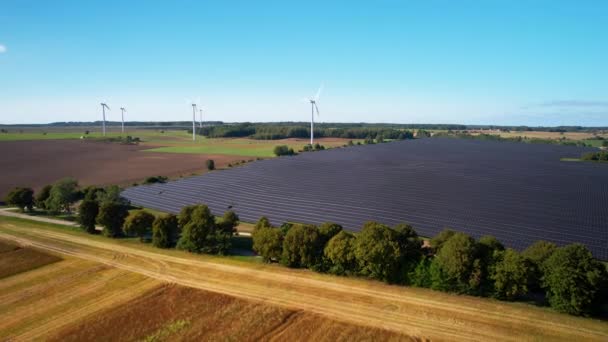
<point x="103" y="109"/>
<point x="123" y="110"/>
<point x="201" y="123"/>
<point x="313" y="105"/>
<point x="193" y="121"/>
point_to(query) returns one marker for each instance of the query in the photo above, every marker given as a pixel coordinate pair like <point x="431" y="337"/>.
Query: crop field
<point x="519" y="193"/>
<point x="15" y="259"/>
<point x="35" y="164"/>
<point x="155" y="295"/>
<point x="189" y="314"/>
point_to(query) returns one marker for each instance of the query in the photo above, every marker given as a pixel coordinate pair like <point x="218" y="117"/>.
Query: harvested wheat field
<point x="15" y="259"/>
<point x="172" y="312"/>
<point x="404" y="310"/>
<point x="36" y="303"/>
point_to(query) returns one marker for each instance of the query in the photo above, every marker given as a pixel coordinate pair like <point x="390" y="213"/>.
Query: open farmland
<point x="37" y="163"/>
<point x="519" y="193"/>
<point x="87" y="296"/>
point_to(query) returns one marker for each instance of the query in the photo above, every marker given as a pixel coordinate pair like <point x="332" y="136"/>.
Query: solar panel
<point x="518" y="192"/>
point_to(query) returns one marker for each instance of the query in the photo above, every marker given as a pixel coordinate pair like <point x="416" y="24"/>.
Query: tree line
<point x="195" y="229"/>
<point x="569" y="278"/>
<point x="278" y="131"/>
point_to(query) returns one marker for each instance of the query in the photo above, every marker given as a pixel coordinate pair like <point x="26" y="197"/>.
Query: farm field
<point x="520" y="193"/>
<point x="35" y="164"/>
<point x="294" y="302"/>
<point x="587" y="137"/>
<point x="16" y="259"/>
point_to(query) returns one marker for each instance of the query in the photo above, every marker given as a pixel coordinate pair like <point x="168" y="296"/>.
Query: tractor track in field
<point x="432" y="315"/>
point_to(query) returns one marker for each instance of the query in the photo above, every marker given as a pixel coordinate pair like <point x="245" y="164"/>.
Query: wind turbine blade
<point x="317" y="108"/>
<point x="319" y="92"/>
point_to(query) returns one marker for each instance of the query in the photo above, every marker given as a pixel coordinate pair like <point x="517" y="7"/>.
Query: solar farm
<point x="518" y="192"/>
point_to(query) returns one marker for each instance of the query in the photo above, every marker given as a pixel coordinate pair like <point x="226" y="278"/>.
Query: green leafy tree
<point x="301" y="246"/>
<point x="378" y="250"/>
<point x="196" y="231"/>
<point x="574" y="280"/>
<point x="511" y="275"/>
<point x="263" y="222"/>
<point x="21" y="198"/>
<point x="87" y="215"/>
<point x="138" y="223"/>
<point x="63" y="193"/>
<point x="268" y="243"/>
<point x="457" y="265"/>
<point x="328" y="230"/>
<point x="210" y="164"/>
<point x="229" y="222"/>
<point x="164" y="231"/>
<point x="538" y="253"/>
<point x="488" y="250"/>
<point x="421" y="275"/>
<point x="112" y="194"/>
<point x="185" y="215"/>
<point x="42" y="196"/>
<point x="411" y="250"/>
<point x="340" y="251"/>
<point x="438" y="240"/>
<point x="112" y="217"/>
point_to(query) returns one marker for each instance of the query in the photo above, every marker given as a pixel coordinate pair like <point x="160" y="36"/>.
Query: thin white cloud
<point x="2" y="48"/>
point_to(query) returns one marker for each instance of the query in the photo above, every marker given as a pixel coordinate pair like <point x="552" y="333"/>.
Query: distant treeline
<point x="454" y="127"/>
<point x="496" y="137"/>
<point x="278" y="131"/>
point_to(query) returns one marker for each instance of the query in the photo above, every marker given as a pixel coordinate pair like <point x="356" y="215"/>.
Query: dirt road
<point x="415" y="312"/>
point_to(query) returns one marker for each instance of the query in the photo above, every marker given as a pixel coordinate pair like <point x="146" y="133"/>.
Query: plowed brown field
<point x="37" y="163"/>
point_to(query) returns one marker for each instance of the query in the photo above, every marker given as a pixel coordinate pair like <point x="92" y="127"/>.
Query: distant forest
<point x="283" y="130"/>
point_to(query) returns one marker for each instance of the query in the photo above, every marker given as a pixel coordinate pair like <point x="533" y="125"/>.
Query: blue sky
<point x="472" y="62"/>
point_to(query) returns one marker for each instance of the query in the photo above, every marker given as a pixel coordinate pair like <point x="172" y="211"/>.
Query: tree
<point x="62" y="195"/>
<point x="328" y="230"/>
<point x="87" y="214"/>
<point x="488" y="251"/>
<point x="283" y="150"/>
<point x="112" y="194"/>
<point x="196" y="231"/>
<point x="210" y="164"/>
<point x="456" y="264"/>
<point x="112" y="216"/>
<point x="379" y="252"/>
<point x="164" y="231"/>
<point x="538" y="253"/>
<point x="301" y="246"/>
<point x="268" y="243"/>
<point x="574" y="280"/>
<point x="421" y="275"/>
<point x="184" y="215"/>
<point x="511" y="275"/>
<point x="229" y="222"/>
<point x="138" y="223"/>
<point x="21" y="198"/>
<point x="263" y="222"/>
<point x="340" y="251"/>
<point x="42" y="196"/>
<point x="411" y="250"/>
<point x="438" y="240"/>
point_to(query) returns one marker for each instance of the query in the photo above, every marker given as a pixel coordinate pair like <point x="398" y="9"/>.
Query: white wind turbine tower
<point x="123" y="110"/>
<point x="103" y="109"/>
<point x="313" y="104"/>
<point x="193" y="121"/>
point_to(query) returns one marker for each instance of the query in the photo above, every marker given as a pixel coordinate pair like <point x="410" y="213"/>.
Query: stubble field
<point x="306" y="303"/>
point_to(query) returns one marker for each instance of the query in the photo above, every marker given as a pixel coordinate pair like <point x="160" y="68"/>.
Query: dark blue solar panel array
<point x="517" y="192"/>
